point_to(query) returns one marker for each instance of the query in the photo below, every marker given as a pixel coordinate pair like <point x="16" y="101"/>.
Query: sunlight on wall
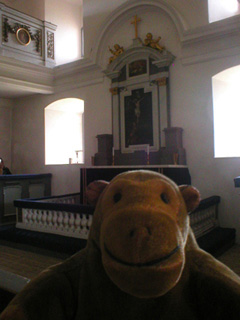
<point x="221" y="9"/>
<point x="67" y="46"/>
<point x="226" y="109"/>
<point x="64" y="131"/>
<point x="67" y="15"/>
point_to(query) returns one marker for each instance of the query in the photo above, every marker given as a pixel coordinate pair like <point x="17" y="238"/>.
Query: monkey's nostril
<point x="131" y="233"/>
<point x="140" y="232"/>
<point x="149" y="231"/>
<point x="117" y="197"/>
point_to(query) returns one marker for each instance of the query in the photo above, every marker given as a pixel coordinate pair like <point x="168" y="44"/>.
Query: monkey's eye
<point x="117" y="197"/>
<point x="165" y="198"/>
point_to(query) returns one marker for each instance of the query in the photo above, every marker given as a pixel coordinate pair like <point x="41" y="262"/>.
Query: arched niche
<point x="124" y="13"/>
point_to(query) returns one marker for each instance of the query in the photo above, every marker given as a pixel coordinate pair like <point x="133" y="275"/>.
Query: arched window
<point x="64" y="131"/>
<point x="226" y="110"/>
<point x="222" y="9"/>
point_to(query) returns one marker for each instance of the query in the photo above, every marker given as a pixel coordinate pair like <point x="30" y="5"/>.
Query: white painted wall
<point x="191" y="95"/>
<point x="28" y="150"/>
<point x="33" y="8"/>
<point x="6" y="131"/>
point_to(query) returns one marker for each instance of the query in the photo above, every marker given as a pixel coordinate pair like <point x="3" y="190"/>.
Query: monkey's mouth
<point x="145" y="264"/>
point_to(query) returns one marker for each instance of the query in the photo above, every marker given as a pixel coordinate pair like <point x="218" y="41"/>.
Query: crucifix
<point x="135" y="22"/>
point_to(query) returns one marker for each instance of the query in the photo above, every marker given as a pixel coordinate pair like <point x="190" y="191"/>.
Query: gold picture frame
<point x="23" y="36"/>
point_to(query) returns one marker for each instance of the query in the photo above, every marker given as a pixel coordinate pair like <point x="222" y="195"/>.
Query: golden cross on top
<point x="135" y="22"/>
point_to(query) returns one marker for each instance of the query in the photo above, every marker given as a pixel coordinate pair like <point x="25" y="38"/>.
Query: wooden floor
<point x="24" y="263"/>
<point x="232" y="258"/>
<point x="18" y="266"/>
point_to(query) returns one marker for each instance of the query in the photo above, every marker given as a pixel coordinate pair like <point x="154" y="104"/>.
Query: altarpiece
<point x="141" y="119"/>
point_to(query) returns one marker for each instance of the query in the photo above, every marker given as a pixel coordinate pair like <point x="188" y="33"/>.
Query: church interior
<point x="179" y="58"/>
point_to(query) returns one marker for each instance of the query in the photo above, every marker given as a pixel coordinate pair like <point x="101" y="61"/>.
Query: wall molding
<point x="23" y="86"/>
<point x="206" y="43"/>
<point x="75" y="83"/>
<point x="220" y="28"/>
<point x="213" y="41"/>
<point x="77" y="74"/>
<point x="22" y="77"/>
<point x="205" y="57"/>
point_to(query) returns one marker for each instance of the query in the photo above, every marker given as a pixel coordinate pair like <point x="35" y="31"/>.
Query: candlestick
<point x="148" y="154"/>
<point x="175" y="158"/>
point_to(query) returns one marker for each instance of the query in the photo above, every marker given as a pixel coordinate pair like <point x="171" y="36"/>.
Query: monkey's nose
<point x="140" y="233"/>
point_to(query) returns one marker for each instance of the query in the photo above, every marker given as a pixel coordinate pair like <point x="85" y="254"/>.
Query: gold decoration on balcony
<point x="23" y="36"/>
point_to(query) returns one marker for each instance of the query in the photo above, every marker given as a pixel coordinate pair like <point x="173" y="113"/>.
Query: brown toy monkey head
<point x="141" y="227"/>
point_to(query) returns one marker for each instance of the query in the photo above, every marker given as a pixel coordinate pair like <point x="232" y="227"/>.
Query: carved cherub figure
<point x="118" y="50"/>
<point x="150" y="42"/>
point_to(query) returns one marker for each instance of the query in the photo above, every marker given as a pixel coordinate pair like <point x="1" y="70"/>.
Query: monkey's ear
<point x="94" y="190"/>
<point x="191" y="197"/>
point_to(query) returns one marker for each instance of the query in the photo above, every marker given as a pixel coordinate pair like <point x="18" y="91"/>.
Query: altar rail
<point x="61" y="215"/>
<point x="205" y="217"/>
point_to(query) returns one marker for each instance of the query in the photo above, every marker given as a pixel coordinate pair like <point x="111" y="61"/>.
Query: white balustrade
<point x="55" y="218"/>
<point x="71" y="222"/>
<point x="78" y="223"/>
<point x="65" y="223"/>
<point x="34" y="217"/>
<point x="74" y="199"/>
<point x="50" y="219"/>
<point x="44" y="218"/>
<point x="60" y="220"/>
